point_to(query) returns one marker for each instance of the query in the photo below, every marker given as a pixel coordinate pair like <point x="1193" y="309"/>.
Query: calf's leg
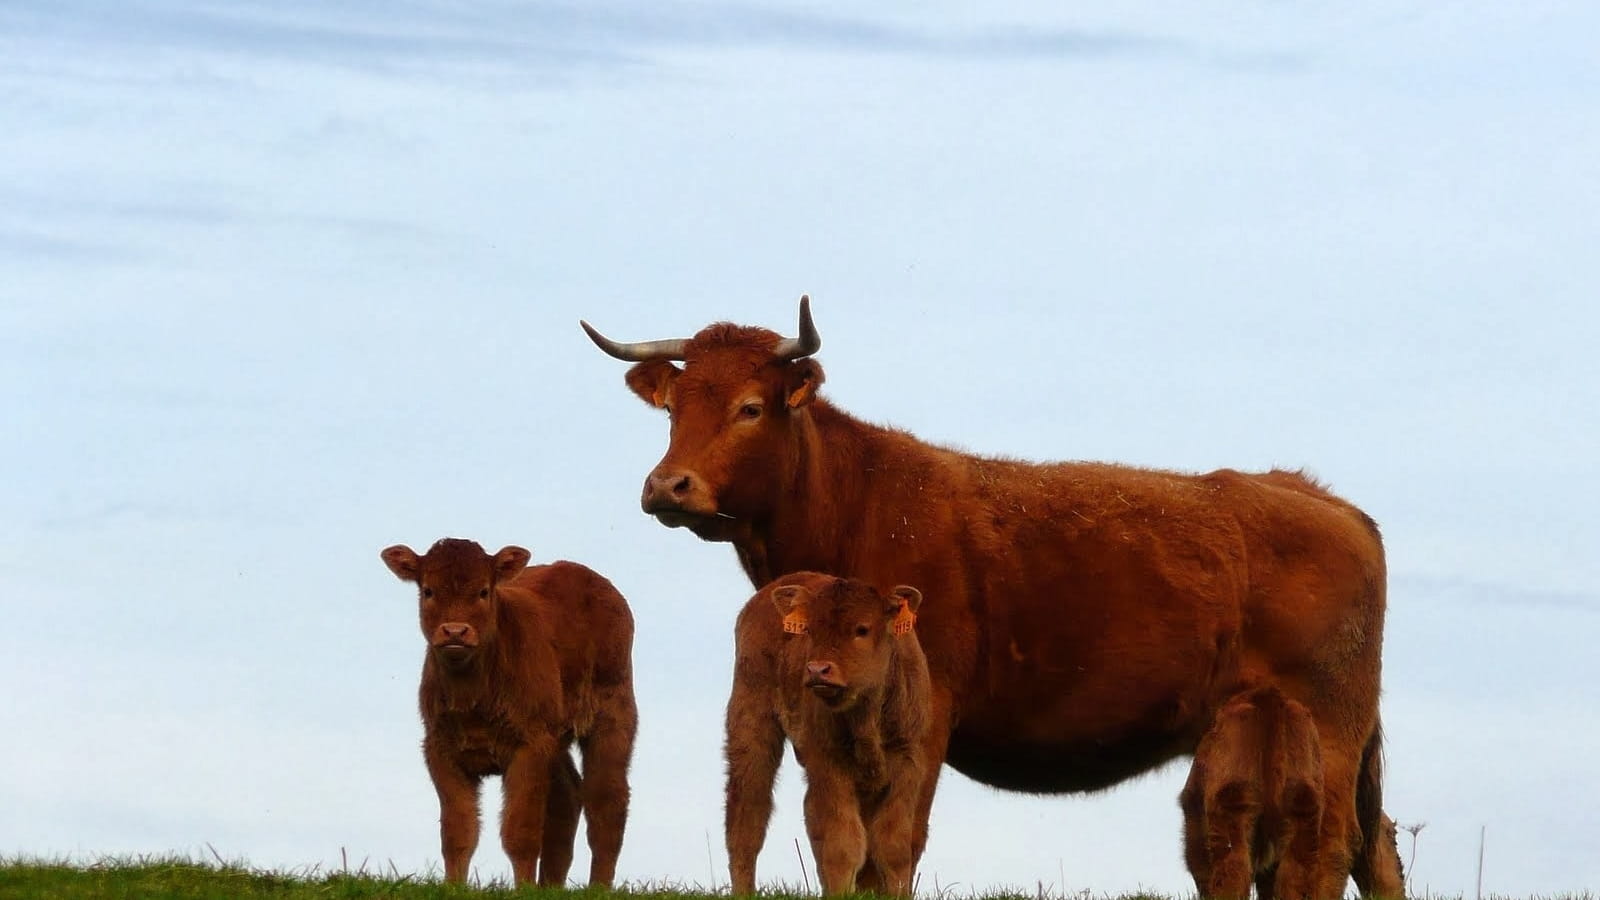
<point x="561" y="811"/>
<point x="1299" y="873"/>
<point x="1340" y="832"/>
<point x="890" y="833"/>
<point x="607" y="753"/>
<point x="527" y="788"/>
<point x="458" y="811"/>
<point x="1192" y="802"/>
<point x="753" y="750"/>
<point x="1231" y="814"/>
<point x="833" y="822"/>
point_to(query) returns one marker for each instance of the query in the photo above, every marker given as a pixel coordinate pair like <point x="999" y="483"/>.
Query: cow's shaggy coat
<point x="1085" y="621"/>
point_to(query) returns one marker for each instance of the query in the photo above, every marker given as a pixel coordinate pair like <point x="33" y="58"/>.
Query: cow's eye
<point x="863" y="630"/>
<point x="483" y="594"/>
<point x="427" y="593"/>
<point x="750" y="411"/>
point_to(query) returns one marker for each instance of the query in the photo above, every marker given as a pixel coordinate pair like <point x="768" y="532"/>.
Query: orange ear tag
<point x="904" y="621"/>
<point x="794" y="622"/>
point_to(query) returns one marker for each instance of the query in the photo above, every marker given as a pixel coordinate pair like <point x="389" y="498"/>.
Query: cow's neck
<point x="806" y="529"/>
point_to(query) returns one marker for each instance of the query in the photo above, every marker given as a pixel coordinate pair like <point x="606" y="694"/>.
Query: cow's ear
<point x="402" y="561"/>
<point x="509" y="561"/>
<point x="790" y="599"/>
<point x="904" y="601"/>
<point x="801" y="379"/>
<point x="651" y="380"/>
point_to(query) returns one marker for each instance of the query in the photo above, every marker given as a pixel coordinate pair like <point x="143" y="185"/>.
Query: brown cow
<point x="835" y="667"/>
<point x="521" y="662"/>
<point x="1252" y="807"/>
<point x="1086" y="620"/>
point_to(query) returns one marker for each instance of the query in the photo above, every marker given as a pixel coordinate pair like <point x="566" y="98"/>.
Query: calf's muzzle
<point x="455" y="634"/>
<point x="824" y="679"/>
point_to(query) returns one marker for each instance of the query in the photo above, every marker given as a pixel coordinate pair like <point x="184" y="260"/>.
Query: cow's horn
<point x="638" y="351"/>
<point x="808" y="342"/>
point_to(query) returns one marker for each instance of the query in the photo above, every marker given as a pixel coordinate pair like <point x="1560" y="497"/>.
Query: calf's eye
<point x="483" y="594"/>
<point x="750" y="411"/>
<point x="863" y="630"/>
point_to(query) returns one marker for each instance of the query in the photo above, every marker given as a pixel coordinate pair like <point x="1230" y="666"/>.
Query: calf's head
<point x="842" y="636"/>
<point x="733" y="406"/>
<point x="457" y="585"/>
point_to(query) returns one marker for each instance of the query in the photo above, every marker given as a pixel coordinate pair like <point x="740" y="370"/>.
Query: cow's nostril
<point x="681" y="486"/>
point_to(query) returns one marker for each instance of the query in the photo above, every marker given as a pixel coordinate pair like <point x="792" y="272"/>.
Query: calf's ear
<point x="801" y="379"/>
<point x="651" y="381"/>
<point x="904" y="601"/>
<point x="402" y="561"/>
<point x="510" y="560"/>
<point x="790" y="599"/>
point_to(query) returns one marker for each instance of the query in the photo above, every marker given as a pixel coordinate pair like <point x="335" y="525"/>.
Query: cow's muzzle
<point x="676" y="497"/>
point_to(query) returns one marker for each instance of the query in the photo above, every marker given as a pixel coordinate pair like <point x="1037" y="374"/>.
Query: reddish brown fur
<point x="855" y="706"/>
<point x="1252" y="807"/>
<point x="550" y="663"/>
<point x="1085" y="620"/>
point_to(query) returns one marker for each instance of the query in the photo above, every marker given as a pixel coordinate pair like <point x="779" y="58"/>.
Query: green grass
<point x="182" y="877"/>
<point x="148" y="877"/>
<point x="179" y="877"/>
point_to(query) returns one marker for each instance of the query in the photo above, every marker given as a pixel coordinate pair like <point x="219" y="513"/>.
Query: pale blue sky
<point x="285" y="283"/>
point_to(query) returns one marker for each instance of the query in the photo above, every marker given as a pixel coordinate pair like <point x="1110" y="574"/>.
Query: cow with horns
<point x="1083" y="622"/>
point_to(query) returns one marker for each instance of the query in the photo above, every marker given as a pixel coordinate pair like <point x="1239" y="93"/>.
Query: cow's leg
<point x="753" y="750"/>
<point x="833" y="822"/>
<point x="561" y="811"/>
<point x="607" y="753"/>
<point x="527" y="788"/>
<point x="1377" y="870"/>
<point x="890" y="832"/>
<point x="935" y="746"/>
<point x="458" y="811"/>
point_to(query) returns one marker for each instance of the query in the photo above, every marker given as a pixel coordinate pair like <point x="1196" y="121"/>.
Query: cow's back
<point x="1067" y="603"/>
<point x="588" y="626"/>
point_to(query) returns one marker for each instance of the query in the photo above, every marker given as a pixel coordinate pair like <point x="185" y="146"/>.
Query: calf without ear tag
<point x="904" y="621"/>
<point x="795" y="622"/>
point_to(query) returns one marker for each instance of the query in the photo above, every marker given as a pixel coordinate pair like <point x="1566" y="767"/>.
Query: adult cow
<point x="1083" y="621"/>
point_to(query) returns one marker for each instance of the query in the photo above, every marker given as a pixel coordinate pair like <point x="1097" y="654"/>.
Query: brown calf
<point x="1252" y="806"/>
<point x="521" y="662"/>
<point x="836" y="667"/>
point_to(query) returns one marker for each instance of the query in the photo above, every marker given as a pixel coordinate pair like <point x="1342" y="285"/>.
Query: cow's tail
<point x="1377" y="870"/>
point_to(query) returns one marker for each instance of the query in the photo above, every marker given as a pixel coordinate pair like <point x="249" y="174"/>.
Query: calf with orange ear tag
<point x="522" y="662"/>
<point x="834" y="666"/>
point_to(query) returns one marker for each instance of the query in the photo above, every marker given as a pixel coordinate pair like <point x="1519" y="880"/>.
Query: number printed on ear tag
<point x="904" y="621"/>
